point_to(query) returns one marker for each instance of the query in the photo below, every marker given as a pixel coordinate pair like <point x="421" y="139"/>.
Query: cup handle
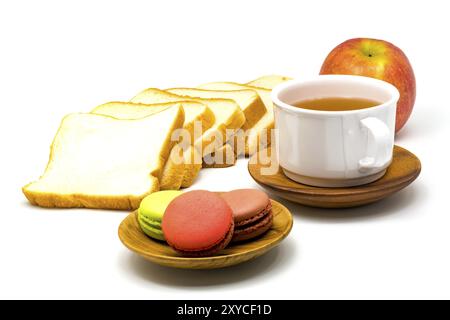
<point x="382" y="144"/>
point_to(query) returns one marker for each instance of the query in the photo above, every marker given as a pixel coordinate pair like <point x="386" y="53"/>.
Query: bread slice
<point x="268" y="82"/>
<point x="173" y="172"/>
<point x="174" y="175"/>
<point x="227" y="114"/>
<point x="221" y="158"/>
<point x="193" y="111"/>
<point x="260" y="134"/>
<point x="248" y="100"/>
<point x="234" y="147"/>
<point x="131" y="111"/>
<point x="191" y="171"/>
<point x="98" y="161"/>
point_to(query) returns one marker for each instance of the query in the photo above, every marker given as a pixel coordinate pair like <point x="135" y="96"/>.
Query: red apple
<point x="377" y="59"/>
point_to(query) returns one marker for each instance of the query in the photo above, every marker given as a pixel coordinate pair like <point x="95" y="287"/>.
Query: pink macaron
<point x="198" y="223"/>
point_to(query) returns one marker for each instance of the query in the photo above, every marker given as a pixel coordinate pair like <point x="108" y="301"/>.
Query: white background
<point x="58" y="57"/>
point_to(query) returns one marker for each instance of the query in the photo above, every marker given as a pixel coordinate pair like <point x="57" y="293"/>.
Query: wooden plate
<point x="404" y="169"/>
<point x="159" y="252"/>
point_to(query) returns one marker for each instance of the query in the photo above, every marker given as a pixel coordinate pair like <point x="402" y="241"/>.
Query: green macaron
<point x="151" y="212"/>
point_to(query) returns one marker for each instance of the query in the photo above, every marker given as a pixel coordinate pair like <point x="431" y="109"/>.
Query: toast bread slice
<point x="191" y="172"/>
<point x="268" y="82"/>
<point x="98" y="161"/>
<point x="221" y="158"/>
<point x="193" y="111"/>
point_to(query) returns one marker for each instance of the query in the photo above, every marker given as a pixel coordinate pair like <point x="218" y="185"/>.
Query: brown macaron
<point x="252" y="213"/>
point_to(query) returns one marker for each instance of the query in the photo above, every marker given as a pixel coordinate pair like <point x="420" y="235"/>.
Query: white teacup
<point x="335" y="148"/>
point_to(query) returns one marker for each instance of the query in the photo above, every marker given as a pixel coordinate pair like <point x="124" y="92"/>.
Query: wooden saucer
<point x="404" y="169"/>
<point x="158" y="252"/>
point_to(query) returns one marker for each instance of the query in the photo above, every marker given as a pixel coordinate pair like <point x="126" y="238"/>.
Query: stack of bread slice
<point x="248" y="100"/>
<point x="120" y="152"/>
<point x="259" y="134"/>
<point x="228" y="117"/>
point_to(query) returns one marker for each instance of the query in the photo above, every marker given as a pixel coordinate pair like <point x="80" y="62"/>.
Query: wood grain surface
<point x="404" y="169"/>
<point x="159" y="252"/>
